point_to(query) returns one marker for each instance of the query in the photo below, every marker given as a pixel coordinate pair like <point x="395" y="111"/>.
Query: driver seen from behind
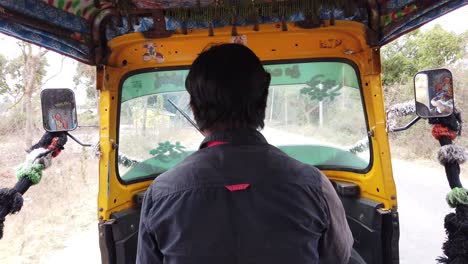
<point x="239" y="199"/>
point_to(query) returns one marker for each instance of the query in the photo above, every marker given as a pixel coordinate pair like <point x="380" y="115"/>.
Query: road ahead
<point x="421" y="197"/>
<point x="421" y="194"/>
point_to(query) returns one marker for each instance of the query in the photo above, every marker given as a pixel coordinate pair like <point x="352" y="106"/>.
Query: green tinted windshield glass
<point x="314" y="114"/>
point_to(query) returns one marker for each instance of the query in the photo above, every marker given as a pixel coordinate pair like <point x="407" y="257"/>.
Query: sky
<point x="455" y="21"/>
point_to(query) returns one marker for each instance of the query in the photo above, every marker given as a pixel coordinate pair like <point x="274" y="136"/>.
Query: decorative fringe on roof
<point x="233" y="11"/>
<point x="253" y="11"/>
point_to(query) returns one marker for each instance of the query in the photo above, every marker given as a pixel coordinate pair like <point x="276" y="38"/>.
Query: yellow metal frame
<point x="344" y="40"/>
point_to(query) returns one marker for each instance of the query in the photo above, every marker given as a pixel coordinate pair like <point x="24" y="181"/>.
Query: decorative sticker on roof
<point x="240" y="39"/>
<point x="151" y="53"/>
<point x="84" y="9"/>
<point x="387" y="19"/>
<point x="330" y="43"/>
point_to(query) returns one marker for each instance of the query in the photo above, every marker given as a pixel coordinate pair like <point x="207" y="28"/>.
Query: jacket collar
<point x="236" y="137"/>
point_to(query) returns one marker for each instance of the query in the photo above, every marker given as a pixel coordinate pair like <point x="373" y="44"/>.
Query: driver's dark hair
<point x="228" y="88"/>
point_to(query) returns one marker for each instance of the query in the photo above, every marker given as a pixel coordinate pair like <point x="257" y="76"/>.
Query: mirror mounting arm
<point x="79" y="142"/>
<point x="410" y="124"/>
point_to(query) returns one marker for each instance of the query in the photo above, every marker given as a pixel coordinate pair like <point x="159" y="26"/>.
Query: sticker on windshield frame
<point x="151" y="53"/>
<point x="240" y="39"/>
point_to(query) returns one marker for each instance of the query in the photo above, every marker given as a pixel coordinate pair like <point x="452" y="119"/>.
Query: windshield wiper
<point x="185" y="115"/>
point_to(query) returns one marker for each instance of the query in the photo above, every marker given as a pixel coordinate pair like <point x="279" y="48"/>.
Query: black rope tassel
<point x="11" y="200"/>
<point x="451" y="165"/>
<point x="456" y="246"/>
<point x="445" y="130"/>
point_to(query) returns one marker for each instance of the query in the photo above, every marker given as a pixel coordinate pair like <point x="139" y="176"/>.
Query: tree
<point x="25" y="75"/>
<point x="438" y="48"/>
<point x="3" y="74"/>
<point x="418" y="50"/>
<point x="85" y="76"/>
<point x="401" y="59"/>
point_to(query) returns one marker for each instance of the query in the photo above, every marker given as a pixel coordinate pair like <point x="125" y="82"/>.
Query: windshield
<point x="314" y="114"/>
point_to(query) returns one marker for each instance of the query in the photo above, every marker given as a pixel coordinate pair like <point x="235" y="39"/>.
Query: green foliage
<point x="12" y="121"/>
<point x="397" y="65"/>
<point x="3" y="74"/>
<point x="417" y="51"/>
<point x="88" y="118"/>
<point x="404" y="57"/>
<point x="85" y="77"/>
<point x="167" y="151"/>
<point x="320" y="90"/>
<point x="21" y="79"/>
<point x="438" y="48"/>
<point x="19" y="70"/>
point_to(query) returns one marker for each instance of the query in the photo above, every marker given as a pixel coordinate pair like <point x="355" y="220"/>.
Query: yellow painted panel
<point x="345" y="40"/>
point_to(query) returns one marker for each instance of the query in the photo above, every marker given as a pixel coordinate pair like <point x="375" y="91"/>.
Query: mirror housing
<point x="433" y="90"/>
<point x="58" y="110"/>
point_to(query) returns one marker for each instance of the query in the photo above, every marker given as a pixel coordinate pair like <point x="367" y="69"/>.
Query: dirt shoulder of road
<point x="61" y="205"/>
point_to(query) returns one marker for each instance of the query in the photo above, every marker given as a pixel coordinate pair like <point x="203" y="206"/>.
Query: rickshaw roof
<point x="77" y="28"/>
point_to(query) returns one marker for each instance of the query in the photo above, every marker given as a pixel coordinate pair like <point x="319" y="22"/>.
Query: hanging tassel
<point x="234" y="27"/>
<point x="136" y="20"/>
<point x="256" y="26"/>
<point x="210" y="29"/>
<point x="455" y="248"/>
<point x="254" y="16"/>
<point x="11" y="200"/>
<point x="30" y="172"/>
<point x="332" y="18"/>
<point x="349" y="8"/>
<point x="216" y="10"/>
<point x="456" y="227"/>
<point x="284" y="25"/>
<point x="184" y="28"/>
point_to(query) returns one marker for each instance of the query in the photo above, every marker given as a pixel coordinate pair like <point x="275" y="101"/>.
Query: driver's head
<point x="228" y="88"/>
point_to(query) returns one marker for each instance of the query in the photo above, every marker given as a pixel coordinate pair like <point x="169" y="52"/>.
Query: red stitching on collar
<point x="215" y="143"/>
<point x="237" y="187"/>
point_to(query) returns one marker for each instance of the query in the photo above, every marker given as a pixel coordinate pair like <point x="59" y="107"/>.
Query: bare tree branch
<point x="23" y="51"/>
<point x="56" y="74"/>
<point x="16" y="103"/>
<point x="43" y="52"/>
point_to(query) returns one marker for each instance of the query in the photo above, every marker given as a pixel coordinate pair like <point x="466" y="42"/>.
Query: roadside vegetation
<point x="401" y="59"/>
<point x="64" y="202"/>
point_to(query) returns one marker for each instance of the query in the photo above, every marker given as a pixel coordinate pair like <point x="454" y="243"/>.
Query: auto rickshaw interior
<point x="325" y="104"/>
<point x="319" y="112"/>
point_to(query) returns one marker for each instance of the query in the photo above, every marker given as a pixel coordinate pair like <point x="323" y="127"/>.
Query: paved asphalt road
<point x="422" y="207"/>
<point x="421" y="191"/>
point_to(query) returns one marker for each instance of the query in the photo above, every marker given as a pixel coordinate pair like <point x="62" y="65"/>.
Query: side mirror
<point x="433" y="90"/>
<point x="58" y="110"/>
